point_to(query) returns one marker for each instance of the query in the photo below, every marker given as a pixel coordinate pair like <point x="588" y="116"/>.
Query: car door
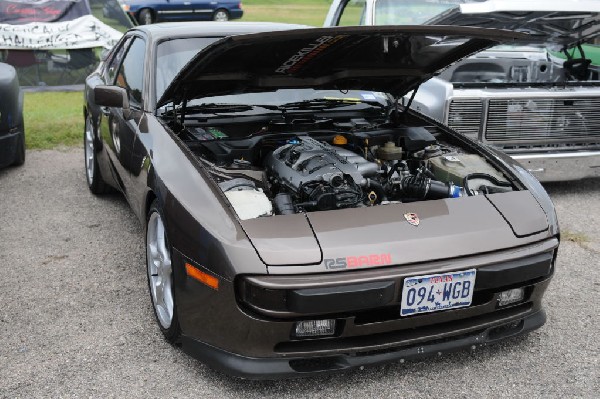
<point x="119" y="128"/>
<point x="178" y="9"/>
<point x="110" y="143"/>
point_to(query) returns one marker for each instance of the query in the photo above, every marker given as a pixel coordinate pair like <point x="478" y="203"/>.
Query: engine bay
<point x="322" y="165"/>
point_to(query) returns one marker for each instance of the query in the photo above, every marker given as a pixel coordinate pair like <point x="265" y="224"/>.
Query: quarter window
<point x="113" y="64"/>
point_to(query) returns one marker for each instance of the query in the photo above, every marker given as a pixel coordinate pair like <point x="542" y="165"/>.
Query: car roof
<point x="157" y="32"/>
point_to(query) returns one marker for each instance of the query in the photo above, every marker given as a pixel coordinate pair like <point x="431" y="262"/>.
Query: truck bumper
<point x="561" y="166"/>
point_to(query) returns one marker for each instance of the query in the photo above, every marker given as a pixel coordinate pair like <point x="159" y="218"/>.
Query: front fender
<point x="199" y="222"/>
<point x="534" y="186"/>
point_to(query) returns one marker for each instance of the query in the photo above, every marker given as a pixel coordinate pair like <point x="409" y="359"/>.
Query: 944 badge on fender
<point x="412" y="218"/>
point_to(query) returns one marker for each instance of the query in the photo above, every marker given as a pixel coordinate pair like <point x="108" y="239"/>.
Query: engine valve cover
<point x="310" y="160"/>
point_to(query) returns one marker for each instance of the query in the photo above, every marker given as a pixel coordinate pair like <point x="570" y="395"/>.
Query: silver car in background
<point x="538" y="108"/>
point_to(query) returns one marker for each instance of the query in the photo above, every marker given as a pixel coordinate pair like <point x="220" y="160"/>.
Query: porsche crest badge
<point x="412" y="218"/>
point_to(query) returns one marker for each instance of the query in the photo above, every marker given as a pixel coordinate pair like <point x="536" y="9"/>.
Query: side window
<point x="353" y="13"/>
<point x="131" y="73"/>
<point x="113" y="65"/>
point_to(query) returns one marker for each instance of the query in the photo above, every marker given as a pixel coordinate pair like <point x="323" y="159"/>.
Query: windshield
<point x="172" y="55"/>
<point x="394" y="12"/>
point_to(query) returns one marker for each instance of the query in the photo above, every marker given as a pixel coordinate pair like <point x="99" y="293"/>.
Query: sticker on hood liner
<point x="304" y="55"/>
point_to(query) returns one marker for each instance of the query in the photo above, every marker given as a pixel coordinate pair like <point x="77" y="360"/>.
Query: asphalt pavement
<point x="76" y="319"/>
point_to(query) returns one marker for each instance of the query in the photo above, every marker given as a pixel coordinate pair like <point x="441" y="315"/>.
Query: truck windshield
<point x="393" y="12"/>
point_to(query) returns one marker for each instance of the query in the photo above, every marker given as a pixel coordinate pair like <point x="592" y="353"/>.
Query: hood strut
<point x="410" y="100"/>
<point x="183" y="109"/>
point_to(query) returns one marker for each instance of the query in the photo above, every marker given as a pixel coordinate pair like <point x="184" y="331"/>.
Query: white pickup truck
<point x="541" y="110"/>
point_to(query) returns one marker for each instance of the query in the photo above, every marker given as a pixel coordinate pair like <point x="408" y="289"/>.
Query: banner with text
<point x="83" y="32"/>
<point x="18" y="12"/>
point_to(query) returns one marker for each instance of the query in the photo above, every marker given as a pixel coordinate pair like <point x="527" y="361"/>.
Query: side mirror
<point x="113" y="96"/>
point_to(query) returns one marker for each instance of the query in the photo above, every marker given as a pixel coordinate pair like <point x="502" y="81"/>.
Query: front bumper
<point x="561" y="166"/>
<point x="256" y="340"/>
<point x="274" y="368"/>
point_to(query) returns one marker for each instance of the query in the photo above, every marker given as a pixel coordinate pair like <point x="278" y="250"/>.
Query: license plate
<point x="433" y="292"/>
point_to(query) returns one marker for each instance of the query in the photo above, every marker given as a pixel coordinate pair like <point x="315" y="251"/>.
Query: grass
<point x="54" y="119"/>
<point x="577" y="238"/>
<point x="307" y="12"/>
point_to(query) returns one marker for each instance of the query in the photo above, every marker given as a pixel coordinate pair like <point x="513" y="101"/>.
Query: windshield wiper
<point x="328" y="103"/>
<point x="215" y="108"/>
<point x="225" y="107"/>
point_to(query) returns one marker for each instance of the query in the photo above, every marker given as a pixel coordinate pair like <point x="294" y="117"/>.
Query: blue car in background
<point x="148" y="11"/>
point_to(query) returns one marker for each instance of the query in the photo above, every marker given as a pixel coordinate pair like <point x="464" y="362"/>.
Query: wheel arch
<point x="221" y="9"/>
<point x="95" y="118"/>
<point x="150" y="197"/>
<point x="150" y="9"/>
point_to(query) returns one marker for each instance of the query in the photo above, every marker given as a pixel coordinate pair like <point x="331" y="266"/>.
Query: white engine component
<point x="250" y="204"/>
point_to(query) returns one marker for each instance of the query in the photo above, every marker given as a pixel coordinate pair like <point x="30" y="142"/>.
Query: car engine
<point x="318" y="175"/>
<point x="305" y="174"/>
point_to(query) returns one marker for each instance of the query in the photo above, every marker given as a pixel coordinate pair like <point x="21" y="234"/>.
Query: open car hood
<point x="390" y="59"/>
<point x="554" y="24"/>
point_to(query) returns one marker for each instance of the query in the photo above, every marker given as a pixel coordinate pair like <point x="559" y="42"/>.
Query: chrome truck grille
<point x="528" y="120"/>
<point x="465" y="116"/>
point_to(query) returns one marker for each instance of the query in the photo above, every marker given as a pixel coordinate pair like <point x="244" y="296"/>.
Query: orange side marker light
<point x="204" y="278"/>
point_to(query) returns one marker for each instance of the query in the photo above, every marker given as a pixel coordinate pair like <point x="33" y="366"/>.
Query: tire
<point x="221" y="15"/>
<point x="145" y="17"/>
<point x="20" y="152"/>
<point x="160" y="274"/>
<point x="94" y="179"/>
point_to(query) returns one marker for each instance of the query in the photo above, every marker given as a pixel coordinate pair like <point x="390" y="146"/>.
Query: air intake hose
<point x="421" y="187"/>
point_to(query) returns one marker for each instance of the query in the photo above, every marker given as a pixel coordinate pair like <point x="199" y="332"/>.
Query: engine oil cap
<point x="340" y="140"/>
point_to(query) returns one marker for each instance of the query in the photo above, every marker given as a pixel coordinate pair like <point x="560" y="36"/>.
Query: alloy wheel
<point x="221" y="16"/>
<point x="89" y="151"/>
<point x="160" y="276"/>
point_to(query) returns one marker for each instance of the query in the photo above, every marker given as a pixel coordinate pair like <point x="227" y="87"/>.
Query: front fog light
<point x="313" y="328"/>
<point x="511" y="296"/>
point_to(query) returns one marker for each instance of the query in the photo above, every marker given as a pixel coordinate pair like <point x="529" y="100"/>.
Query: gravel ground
<point x="76" y="321"/>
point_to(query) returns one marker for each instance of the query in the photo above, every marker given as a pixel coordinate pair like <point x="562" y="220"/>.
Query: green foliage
<point x="284" y="3"/>
<point x="53" y="119"/>
<point x="306" y="12"/>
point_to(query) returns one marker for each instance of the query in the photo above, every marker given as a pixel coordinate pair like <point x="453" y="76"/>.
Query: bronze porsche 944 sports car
<point x="300" y="218"/>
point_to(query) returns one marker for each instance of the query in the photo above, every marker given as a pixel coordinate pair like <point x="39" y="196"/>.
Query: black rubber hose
<point x="484" y="176"/>
<point x="378" y="188"/>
